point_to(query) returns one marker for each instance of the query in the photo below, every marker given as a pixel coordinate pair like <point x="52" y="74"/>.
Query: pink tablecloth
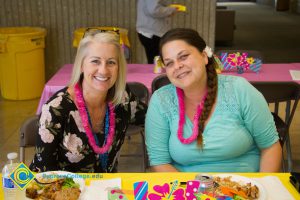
<point x="144" y="73"/>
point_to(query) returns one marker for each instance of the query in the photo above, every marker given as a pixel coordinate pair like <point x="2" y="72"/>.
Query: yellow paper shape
<point x="179" y="7"/>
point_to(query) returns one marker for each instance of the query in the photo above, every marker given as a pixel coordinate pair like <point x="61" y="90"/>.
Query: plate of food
<point x="56" y="185"/>
<point x="239" y="185"/>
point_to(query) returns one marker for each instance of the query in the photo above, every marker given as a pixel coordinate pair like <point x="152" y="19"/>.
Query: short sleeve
<point x="256" y="114"/>
<point x="157" y="133"/>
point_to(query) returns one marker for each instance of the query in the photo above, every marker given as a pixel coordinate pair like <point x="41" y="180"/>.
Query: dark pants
<point x="151" y="46"/>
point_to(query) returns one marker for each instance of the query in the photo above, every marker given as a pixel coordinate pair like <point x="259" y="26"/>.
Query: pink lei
<point x="197" y="115"/>
<point x="85" y="121"/>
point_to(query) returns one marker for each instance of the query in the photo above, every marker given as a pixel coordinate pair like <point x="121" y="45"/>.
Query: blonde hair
<point x="116" y="92"/>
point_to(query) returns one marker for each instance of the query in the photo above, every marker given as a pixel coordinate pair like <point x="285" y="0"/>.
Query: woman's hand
<point x="271" y="157"/>
<point x="164" y="168"/>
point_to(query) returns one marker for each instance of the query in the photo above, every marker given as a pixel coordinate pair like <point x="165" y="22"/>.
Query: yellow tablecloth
<point x="159" y="178"/>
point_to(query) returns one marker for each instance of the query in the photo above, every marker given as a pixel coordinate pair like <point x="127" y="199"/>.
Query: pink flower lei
<point x="182" y="118"/>
<point x="85" y="121"/>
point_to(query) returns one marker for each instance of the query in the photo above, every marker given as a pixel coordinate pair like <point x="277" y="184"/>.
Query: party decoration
<point x="191" y="189"/>
<point x="219" y="66"/>
<point x="179" y="7"/>
<point x="240" y="61"/>
<point x="116" y="194"/>
<point x="201" y="196"/>
<point x="140" y="190"/>
<point x="165" y="192"/>
<point x="158" y="65"/>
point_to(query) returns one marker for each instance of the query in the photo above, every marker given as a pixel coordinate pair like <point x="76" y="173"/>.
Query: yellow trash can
<point x="22" y="65"/>
<point x="124" y="41"/>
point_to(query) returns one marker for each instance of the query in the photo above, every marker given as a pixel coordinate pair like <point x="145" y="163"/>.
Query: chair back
<point x="282" y="92"/>
<point x="159" y="81"/>
<point x="142" y="92"/>
<point x="139" y="90"/>
<point x="28" y="131"/>
<point x="278" y="92"/>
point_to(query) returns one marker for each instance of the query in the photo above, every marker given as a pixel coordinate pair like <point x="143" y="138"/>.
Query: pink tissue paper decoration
<point x="140" y="190"/>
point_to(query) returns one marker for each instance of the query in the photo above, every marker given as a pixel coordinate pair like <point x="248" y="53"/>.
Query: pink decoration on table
<point x="191" y="189"/>
<point x="240" y="61"/>
<point x="200" y="107"/>
<point x="201" y="196"/>
<point x="116" y="194"/>
<point x="163" y="192"/>
<point x="140" y="190"/>
<point x="85" y="122"/>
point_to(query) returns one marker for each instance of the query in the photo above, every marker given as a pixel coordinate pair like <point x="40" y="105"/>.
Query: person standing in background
<point x="153" y="20"/>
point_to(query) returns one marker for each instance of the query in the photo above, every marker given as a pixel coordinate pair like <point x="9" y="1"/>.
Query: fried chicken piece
<point x="254" y="192"/>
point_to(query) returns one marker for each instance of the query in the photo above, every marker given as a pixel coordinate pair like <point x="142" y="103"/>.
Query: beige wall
<point x="62" y="17"/>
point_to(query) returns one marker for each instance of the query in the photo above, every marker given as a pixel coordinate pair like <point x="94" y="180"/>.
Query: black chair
<point x="141" y="91"/>
<point x="28" y="131"/>
<point x="159" y="81"/>
<point x="280" y="92"/>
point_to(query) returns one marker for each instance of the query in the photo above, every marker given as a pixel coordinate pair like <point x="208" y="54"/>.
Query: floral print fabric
<point x="62" y="144"/>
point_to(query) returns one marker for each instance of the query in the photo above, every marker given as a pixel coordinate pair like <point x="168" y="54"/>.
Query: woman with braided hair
<point x="204" y="122"/>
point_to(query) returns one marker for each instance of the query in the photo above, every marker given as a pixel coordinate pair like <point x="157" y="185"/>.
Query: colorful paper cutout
<point x="140" y="190"/>
<point x="179" y="7"/>
<point x="201" y="196"/>
<point x="170" y="191"/>
<point x="191" y="189"/>
<point x="164" y="192"/>
<point x="241" y="62"/>
<point x="116" y="194"/>
<point x="219" y="65"/>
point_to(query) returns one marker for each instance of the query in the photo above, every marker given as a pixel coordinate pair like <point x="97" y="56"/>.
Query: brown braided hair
<point x="192" y="38"/>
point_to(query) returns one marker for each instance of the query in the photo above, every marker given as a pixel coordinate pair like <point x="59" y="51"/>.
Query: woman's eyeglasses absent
<point x="94" y="30"/>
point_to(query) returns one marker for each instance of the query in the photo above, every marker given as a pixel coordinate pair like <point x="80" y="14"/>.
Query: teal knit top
<point x="240" y="126"/>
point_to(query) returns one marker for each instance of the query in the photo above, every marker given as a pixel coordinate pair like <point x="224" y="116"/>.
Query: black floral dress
<point x="62" y="143"/>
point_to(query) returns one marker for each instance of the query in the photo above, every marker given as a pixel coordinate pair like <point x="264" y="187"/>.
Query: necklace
<point x="182" y="118"/>
<point x="88" y="129"/>
<point x="104" y="156"/>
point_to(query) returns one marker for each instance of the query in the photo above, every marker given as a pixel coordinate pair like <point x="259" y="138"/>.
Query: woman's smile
<point x="183" y="74"/>
<point x="101" y="78"/>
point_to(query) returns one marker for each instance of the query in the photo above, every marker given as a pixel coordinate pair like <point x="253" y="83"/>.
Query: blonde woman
<point x="82" y="127"/>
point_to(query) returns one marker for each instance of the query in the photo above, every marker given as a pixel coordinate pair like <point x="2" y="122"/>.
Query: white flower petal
<point x="46" y="136"/>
